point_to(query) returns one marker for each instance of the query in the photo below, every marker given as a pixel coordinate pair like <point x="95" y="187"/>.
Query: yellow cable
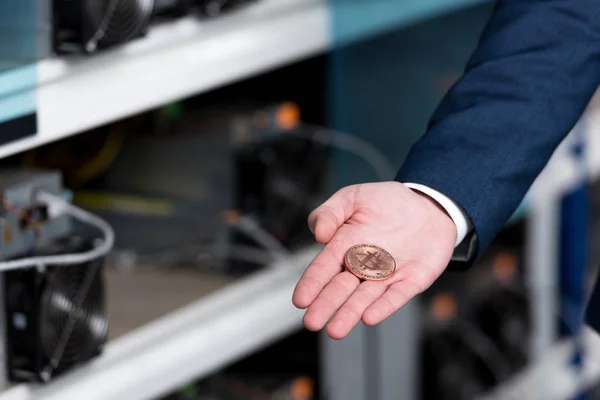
<point x="105" y="157"/>
<point x="93" y="167"/>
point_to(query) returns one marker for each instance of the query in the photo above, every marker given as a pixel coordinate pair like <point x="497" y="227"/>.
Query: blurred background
<point x="158" y="161"/>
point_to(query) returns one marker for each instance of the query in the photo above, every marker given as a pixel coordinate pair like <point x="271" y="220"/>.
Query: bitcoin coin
<point x="369" y="262"/>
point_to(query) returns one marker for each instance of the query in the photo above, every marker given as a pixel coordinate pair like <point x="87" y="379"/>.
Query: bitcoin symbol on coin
<point x="370" y="262"/>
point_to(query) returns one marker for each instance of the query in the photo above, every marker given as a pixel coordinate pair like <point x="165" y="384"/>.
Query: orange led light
<point x="7" y="234"/>
<point x="444" y="307"/>
<point x="504" y="266"/>
<point x="303" y="388"/>
<point x="231" y="217"/>
<point x="288" y="116"/>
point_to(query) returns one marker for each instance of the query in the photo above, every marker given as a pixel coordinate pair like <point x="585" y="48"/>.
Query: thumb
<point x="325" y="220"/>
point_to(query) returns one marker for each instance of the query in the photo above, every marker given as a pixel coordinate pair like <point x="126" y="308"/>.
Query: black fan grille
<point x="116" y="21"/>
<point x="72" y="320"/>
<point x="292" y="185"/>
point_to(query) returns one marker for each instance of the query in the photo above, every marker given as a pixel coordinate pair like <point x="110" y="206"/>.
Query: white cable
<point x="101" y="30"/>
<point x="336" y="139"/>
<point x="479" y="343"/>
<point x="352" y="144"/>
<point x="253" y="230"/>
<point x="174" y="255"/>
<point x="57" y="206"/>
<point x="484" y="347"/>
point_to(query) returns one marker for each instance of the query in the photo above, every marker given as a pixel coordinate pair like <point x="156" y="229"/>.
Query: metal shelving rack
<point x="187" y="58"/>
<point x="192" y="342"/>
<point x="550" y="375"/>
<point x="543" y="205"/>
<point x="551" y="378"/>
<point x="175" y="60"/>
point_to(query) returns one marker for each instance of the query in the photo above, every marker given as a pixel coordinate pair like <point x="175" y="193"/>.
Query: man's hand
<point x="411" y="226"/>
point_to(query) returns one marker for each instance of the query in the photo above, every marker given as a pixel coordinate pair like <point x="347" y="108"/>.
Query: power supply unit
<point x="168" y="193"/>
<point x="24" y="224"/>
<point x="51" y="317"/>
<point x="476" y="330"/>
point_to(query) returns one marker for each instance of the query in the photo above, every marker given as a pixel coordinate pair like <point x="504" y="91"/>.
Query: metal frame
<point x="189" y="57"/>
<point x="559" y="176"/>
<point x="175" y="60"/>
<point x="188" y="344"/>
<point x="374" y="363"/>
<point x="550" y="378"/>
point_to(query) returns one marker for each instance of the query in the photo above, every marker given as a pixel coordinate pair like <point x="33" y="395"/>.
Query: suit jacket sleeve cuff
<point x="460" y="218"/>
<point x="465" y="248"/>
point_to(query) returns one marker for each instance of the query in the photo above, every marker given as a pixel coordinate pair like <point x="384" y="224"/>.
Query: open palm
<point x="412" y="227"/>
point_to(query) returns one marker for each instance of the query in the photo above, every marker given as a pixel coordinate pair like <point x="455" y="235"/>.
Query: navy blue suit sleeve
<point x="535" y="69"/>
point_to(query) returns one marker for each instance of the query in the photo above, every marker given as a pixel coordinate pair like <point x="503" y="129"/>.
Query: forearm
<point x="531" y="77"/>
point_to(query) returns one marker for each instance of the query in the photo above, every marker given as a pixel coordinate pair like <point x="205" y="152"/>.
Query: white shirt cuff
<point x="462" y="221"/>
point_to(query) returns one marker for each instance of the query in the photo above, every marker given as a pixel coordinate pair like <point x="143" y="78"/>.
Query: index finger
<point x="326" y="265"/>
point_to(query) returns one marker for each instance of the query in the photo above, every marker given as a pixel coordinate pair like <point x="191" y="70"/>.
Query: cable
<point x="102" y="26"/>
<point x="244" y="224"/>
<point x="484" y="347"/>
<point x="350" y="143"/>
<point x="67" y="156"/>
<point x="58" y="206"/>
<point x="474" y="339"/>
<point x="273" y="249"/>
<point x="106" y="156"/>
<point x="295" y="188"/>
<point x="340" y="140"/>
<point x="176" y="255"/>
<point x="252" y="229"/>
<point x="330" y="138"/>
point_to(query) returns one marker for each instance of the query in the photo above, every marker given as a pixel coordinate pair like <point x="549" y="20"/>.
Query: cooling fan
<point x="97" y="24"/>
<point x="55" y="316"/>
<point x="175" y="8"/>
<point x="213" y="8"/>
<point x="293" y="186"/>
